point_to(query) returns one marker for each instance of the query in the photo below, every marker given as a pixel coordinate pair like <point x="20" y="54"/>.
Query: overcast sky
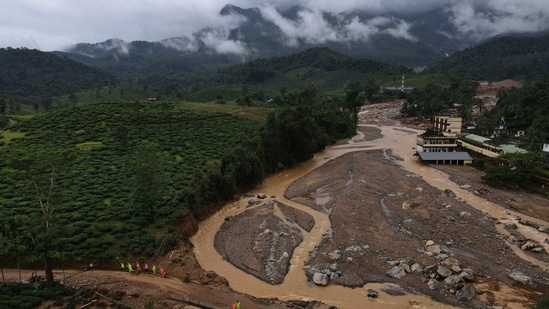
<point x="56" y="24"/>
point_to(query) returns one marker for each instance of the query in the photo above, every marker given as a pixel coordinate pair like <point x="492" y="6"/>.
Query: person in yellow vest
<point x="122" y="266"/>
<point x="154" y="269"/>
<point x="237" y="304"/>
<point x="130" y="268"/>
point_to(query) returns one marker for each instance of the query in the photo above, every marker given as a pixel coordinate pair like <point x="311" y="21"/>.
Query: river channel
<point x="400" y="141"/>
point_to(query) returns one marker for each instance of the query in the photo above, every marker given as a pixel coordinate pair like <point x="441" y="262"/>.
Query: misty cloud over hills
<point x="416" y="36"/>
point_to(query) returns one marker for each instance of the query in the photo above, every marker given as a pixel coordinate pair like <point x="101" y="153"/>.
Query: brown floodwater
<point x="296" y="286"/>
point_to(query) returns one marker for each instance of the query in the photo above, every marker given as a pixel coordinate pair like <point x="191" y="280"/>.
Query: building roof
<point x="511" y="149"/>
<point x="506" y="148"/>
<point x="476" y="138"/>
<point x="431" y="156"/>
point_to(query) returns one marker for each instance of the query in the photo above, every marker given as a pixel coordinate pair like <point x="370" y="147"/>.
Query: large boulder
<point x="320" y="279"/>
<point x="521" y="278"/>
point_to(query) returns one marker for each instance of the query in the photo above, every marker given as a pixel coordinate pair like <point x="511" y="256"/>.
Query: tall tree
<point x="516" y="168"/>
<point x="41" y="171"/>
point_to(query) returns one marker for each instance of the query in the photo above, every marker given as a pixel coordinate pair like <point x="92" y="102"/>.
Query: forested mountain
<point x="320" y="58"/>
<point x="514" y="57"/>
<point x="26" y="72"/>
<point x="328" y="70"/>
<point x="416" y="39"/>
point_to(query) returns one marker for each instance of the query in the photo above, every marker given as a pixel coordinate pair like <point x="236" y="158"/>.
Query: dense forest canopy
<point x="508" y="57"/>
<point x="28" y="72"/>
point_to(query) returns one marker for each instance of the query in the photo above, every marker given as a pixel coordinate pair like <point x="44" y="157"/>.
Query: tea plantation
<point x="95" y="210"/>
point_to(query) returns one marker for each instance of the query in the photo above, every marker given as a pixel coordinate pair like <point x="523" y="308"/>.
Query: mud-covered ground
<point x="381" y="215"/>
<point x="371" y="212"/>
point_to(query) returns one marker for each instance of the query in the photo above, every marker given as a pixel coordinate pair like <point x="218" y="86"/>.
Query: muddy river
<point x="400" y="141"/>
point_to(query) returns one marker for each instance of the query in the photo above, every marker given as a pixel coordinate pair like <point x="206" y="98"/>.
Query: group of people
<point x="236" y="305"/>
<point x="130" y="268"/>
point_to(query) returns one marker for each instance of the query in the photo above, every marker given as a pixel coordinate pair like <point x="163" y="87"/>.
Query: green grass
<point x="21" y="117"/>
<point x="9" y="135"/>
<point x="252" y="113"/>
<point x="89" y="145"/>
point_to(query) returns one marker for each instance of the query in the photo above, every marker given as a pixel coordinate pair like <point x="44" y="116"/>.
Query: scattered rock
<point x="434" y="284"/>
<point x="335" y="275"/>
<point x="435" y="249"/>
<point x="467" y="293"/>
<point x="409" y="205"/>
<point x="453" y="280"/>
<point x="372" y="293"/>
<point x="441" y="257"/>
<point x="414" y="176"/>
<point x="521" y="278"/>
<point x="467" y="274"/>
<point x="449" y="193"/>
<point x="396" y="272"/>
<point x="452" y="264"/>
<point x="465" y="214"/>
<point x="261" y="196"/>
<point x="510" y="225"/>
<point x="415" y="268"/>
<point x="529" y="245"/>
<point x="335" y="255"/>
<point x="465" y="187"/>
<point x="252" y="201"/>
<point x="444" y="271"/>
<point x="538" y="250"/>
<point x="544" y="229"/>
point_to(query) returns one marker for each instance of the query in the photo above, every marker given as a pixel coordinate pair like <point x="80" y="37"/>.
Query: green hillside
<point x="32" y="73"/>
<point x="114" y="177"/>
<point x="509" y="57"/>
<point x="96" y="209"/>
<point x="328" y="70"/>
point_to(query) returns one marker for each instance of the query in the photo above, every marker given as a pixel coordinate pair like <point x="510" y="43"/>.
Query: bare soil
<point x="487" y="88"/>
